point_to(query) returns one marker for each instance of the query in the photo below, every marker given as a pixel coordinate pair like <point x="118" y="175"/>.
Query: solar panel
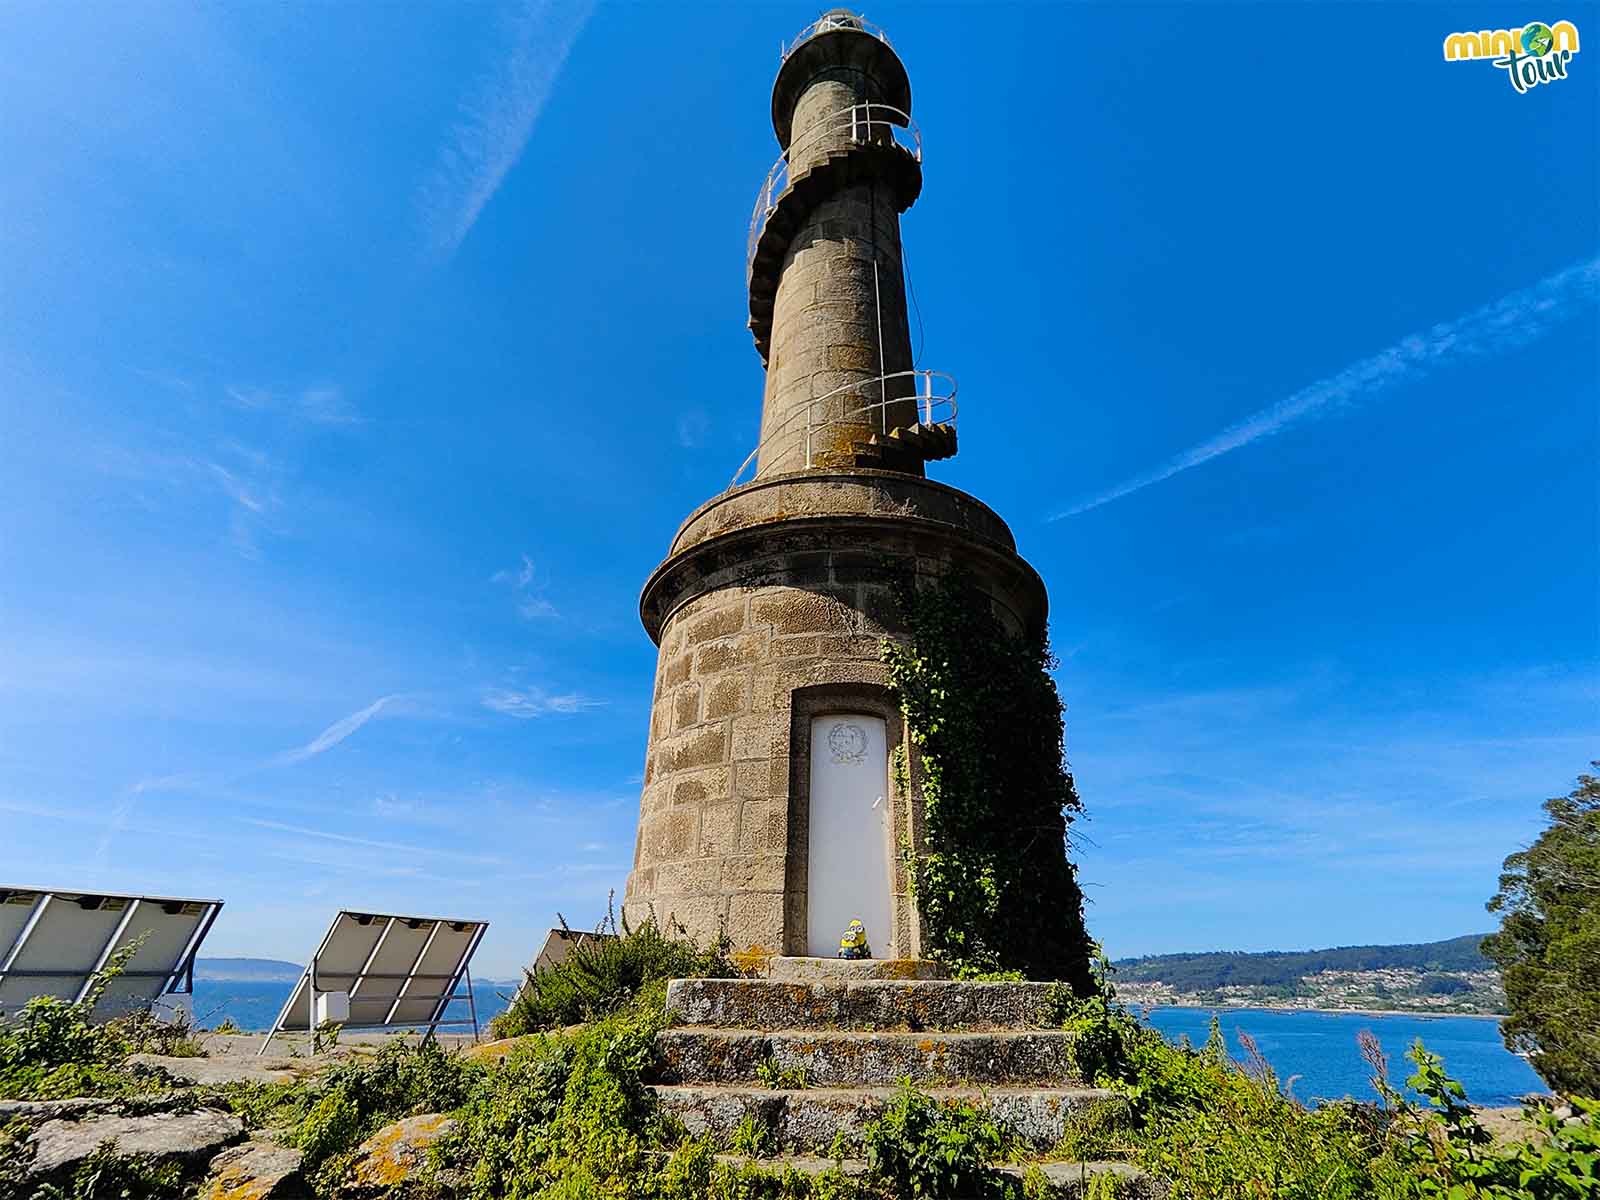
<point x="377" y="971"/>
<point x="53" y="943"/>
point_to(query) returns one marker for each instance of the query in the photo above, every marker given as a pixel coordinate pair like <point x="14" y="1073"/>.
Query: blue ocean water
<point x="253" y="1007"/>
<point x="1320" y="1048"/>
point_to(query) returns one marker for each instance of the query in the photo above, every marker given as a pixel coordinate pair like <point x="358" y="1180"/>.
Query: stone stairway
<point x="809" y="1059"/>
<point x="864" y="162"/>
<point x="909" y="444"/>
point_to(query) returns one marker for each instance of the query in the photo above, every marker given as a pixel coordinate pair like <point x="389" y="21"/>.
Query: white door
<point x="849" y="840"/>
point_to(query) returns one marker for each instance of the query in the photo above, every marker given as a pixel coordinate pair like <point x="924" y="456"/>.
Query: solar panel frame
<point x="66" y="938"/>
<point x="378" y="961"/>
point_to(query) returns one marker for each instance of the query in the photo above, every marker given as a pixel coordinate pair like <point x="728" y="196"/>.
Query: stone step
<point x="928" y="443"/>
<point x="756" y="1004"/>
<point x="810" y="1118"/>
<point x="852" y="1058"/>
<point x="795" y="968"/>
<point x="1066" y="1180"/>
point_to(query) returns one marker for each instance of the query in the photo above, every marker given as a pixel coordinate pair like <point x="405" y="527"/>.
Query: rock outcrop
<point x="190" y="1139"/>
<point x="255" y="1171"/>
<point x="395" y="1154"/>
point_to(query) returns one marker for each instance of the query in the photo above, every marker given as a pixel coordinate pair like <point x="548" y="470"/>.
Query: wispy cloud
<point x="693" y="425"/>
<point x="531" y="601"/>
<point x="334" y="734"/>
<point x="497" y="117"/>
<point x="1515" y="320"/>
<point x="180" y="781"/>
<point x="238" y="489"/>
<point x="346" y="839"/>
<point x="320" y="404"/>
<point x="535" y="702"/>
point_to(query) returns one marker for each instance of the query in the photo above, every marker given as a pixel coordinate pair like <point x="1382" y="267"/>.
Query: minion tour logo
<point x="1537" y="53"/>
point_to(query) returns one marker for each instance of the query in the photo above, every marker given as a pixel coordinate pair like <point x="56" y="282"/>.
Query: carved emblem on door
<point x="848" y="743"/>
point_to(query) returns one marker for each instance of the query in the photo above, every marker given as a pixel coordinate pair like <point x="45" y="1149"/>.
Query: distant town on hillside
<point x="1441" y="977"/>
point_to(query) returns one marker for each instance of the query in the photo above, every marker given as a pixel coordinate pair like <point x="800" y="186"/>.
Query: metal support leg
<point x="472" y="1004"/>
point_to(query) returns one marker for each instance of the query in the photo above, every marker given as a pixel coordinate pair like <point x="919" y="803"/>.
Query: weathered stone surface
<point x="763" y="827"/>
<point x="760" y="916"/>
<point x="1066" y="1180"/>
<point x="191" y="1138"/>
<point x="255" y="1171"/>
<point x="219" y="1069"/>
<point x="1073" y="1180"/>
<point x="395" y="1153"/>
<point x="729" y="696"/>
<point x="46" y="1110"/>
<point x="691" y="877"/>
<point x="753" y="873"/>
<point x="810" y="1118"/>
<point x="800" y="969"/>
<point x="862" y="492"/>
<point x="847" y="1058"/>
<point x="861" y="1003"/>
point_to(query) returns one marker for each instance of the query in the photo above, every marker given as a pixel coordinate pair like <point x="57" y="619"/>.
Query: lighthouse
<point x="770" y="807"/>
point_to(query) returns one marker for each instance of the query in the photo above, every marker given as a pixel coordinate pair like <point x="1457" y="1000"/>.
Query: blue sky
<point x="358" y="362"/>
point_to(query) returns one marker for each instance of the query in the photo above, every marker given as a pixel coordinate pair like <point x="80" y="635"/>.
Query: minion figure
<point x="854" y="942"/>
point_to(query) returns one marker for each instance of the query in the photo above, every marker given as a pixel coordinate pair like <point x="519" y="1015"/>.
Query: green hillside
<point x="1284" y="968"/>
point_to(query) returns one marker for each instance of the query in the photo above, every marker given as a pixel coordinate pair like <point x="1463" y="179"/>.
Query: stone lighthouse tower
<point x="768" y="806"/>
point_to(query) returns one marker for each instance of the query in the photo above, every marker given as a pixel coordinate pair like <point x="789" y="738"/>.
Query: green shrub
<point x="607" y="973"/>
<point x="1442" y="1150"/>
<point x="919" y="1147"/>
<point x="50" y="1033"/>
<point x="568" y="1110"/>
<point x="1217" y="1129"/>
<point x="1104" y="1032"/>
<point x="752" y="1137"/>
<point x="334" y="1113"/>
<point x="106" y="1175"/>
<point x="54" y="1049"/>
<point x="770" y="1075"/>
<point x="332" y="1127"/>
<point x="1235" y="1134"/>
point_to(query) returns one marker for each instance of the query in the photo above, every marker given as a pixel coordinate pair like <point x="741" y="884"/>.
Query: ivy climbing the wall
<point x="992" y="879"/>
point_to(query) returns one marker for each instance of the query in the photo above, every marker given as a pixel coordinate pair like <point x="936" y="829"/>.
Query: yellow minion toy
<point x="854" y="942"/>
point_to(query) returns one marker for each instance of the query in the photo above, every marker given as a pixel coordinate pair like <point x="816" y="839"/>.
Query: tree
<point x="1548" y="947"/>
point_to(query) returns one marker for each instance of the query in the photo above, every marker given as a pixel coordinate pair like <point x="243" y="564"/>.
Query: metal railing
<point x="933" y="393"/>
<point x="827" y="22"/>
<point x="865" y="122"/>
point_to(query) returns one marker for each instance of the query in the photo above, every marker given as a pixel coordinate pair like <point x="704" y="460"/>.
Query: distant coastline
<point x="1418" y="1014"/>
<point x="1448" y="978"/>
<point x="246" y="970"/>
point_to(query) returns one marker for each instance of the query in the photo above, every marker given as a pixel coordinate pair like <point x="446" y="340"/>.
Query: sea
<point x="1316" y="1057"/>
<point x="1314" y="1054"/>
<point x="253" y="1006"/>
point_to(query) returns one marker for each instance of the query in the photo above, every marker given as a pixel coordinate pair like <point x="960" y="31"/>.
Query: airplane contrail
<point x="1515" y="320"/>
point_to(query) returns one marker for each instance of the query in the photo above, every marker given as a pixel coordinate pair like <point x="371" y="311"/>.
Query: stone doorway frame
<point x="805" y="705"/>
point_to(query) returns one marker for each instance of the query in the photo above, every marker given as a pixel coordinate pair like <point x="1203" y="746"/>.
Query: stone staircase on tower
<point x="817" y="1050"/>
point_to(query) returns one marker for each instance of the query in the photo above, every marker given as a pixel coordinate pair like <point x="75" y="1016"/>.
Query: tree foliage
<point x="982" y="708"/>
<point x="1548" y="946"/>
